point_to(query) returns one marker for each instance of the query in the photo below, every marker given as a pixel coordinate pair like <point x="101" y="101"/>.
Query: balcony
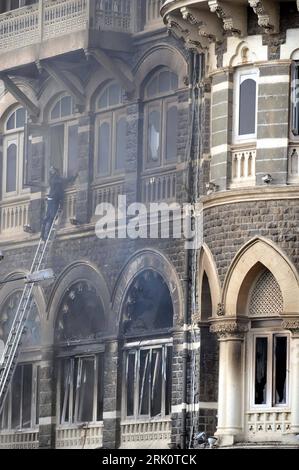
<point x="243" y="167"/>
<point x="34" y="32"/>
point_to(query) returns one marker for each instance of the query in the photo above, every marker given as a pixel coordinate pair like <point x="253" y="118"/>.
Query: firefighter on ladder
<point x="54" y="199"/>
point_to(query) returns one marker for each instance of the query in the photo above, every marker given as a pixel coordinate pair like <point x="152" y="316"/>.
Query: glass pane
<point x="154" y="136"/>
<point x="104" y="149"/>
<point x="280" y="365"/>
<point x="174" y="81"/>
<point x="20" y="117"/>
<point x="247" y="107"/>
<point x="73" y="151"/>
<point x="11" y="168"/>
<point x="57" y="146"/>
<point x="130" y="383"/>
<point x="103" y="101"/>
<point x="11" y="123"/>
<point x="114" y="95"/>
<point x="152" y="88"/>
<point x="37" y="394"/>
<point x="65" y="386"/>
<point x="261" y="356"/>
<point x="144" y="382"/>
<point x="164" y="82"/>
<point x="100" y="387"/>
<point x="156" y="382"/>
<point x="85" y="389"/>
<point x="16" y="392"/>
<point x="66" y="106"/>
<point x="171" y="137"/>
<point x="168" y="381"/>
<point x="27" y="396"/>
<point x="55" y="114"/>
<point x="121" y="137"/>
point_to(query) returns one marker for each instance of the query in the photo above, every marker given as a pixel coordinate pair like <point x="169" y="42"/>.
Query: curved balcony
<point x="200" y="22"/>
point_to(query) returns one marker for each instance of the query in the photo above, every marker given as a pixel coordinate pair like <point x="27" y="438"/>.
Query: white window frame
<point x="294" y="97"/>
<point x="239" y="78"/>
<point x="270" y="404"/>
<point x="136" y="348"/>
<point x="14" y="136"/>
<point x="161" y="104"/>
<point x="34" y="417"/>
<point x="71" y="405"/>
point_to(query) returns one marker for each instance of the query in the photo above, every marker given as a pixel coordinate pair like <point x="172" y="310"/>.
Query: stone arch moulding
<point x="265" y="252"/>
<point x="207" y="265"/>
<point x="243" y="55"/>
<point x="161" y="55"/>
<point x="295" y="54"/>
<point x="38" y="295"/>
<point x="78" y="271"/>
<point x="148" y="259"/>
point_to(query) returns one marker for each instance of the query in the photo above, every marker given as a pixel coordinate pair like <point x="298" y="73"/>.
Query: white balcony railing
<point x="243" y="168"/>
<point x="54" y="18"/>
<point x="159" y="188"/>
<point x="84" y="437"/>
<point x="19" y="439"/>
<point x="14" y="215"/>
<point x="261" y="423"/>
<point x="146" y="434"/>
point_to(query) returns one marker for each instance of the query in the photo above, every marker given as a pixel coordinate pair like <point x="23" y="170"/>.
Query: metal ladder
<point x="13" y="343"/>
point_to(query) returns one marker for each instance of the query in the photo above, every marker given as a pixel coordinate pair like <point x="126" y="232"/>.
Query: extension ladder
<point x="13" y="343"/>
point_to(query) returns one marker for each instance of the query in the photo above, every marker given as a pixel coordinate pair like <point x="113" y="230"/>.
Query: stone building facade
<point x="142" y="343"/>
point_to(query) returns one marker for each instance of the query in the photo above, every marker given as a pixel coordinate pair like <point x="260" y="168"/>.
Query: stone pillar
<point x="112" y="395"/>
<point x="85" y="170"/>
<point x="293" y="326"/>
<point x="47" y="400"/>
<point x="231" y="377"/>
<point x="133" y="165"/>
<point x="177" y="407"/>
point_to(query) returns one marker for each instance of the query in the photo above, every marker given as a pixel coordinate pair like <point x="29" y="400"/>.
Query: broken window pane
<point x="84" y="393"/>
<point x="144" y="382"/>
<point x="156" y="382"/>
<point x="247" y="107"/>
<point x="130" y="383"/>
<point x="280" y="367"/>
<point x="261" y="357"/>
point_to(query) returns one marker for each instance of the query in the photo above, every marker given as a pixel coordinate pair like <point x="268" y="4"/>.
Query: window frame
<point x="34" y="403"/>
<point x="14" y="136"/>
<point x="240" y="76"/>
<point x="270" y="394"/>
<point x="294" y="96"/>
<point x="162" y="104"/>
<point x="166" y="347"/>
<point x="98" y="357"/>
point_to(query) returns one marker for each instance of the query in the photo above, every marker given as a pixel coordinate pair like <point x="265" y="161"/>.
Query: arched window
<point x="245" y="105"/>
<point x="111" y="132"/>
<point x="161" y="120"/>
<point x="20" y="410"/>
<point x="80" y="323"/>
<point x="147" y="310"/>
<point x="13" y="151"/>
<point x="63" y="150"/>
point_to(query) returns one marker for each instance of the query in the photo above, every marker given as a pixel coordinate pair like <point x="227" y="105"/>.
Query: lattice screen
<point x="266" y="297"/>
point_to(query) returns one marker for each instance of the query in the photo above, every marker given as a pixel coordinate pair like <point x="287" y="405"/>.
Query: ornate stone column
<point x="230" y="332"/>
<point x="292" y="324"/>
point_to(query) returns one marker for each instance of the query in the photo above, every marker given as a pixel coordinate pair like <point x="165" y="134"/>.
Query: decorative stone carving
<point x="208" y="24"/>
<point x="229" y="327"/>
<point x="232" y="17"/>
<point x="267" y="13"/>
<point x="220" y="310"/>
<point x="180" y="31"/>
<point x="291" y="324"/>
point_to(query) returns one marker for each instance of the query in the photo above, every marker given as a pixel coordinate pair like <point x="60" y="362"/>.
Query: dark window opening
<point x="280" y="365"/>
<point x="247" y="107"/>
<point x="206" y="300"/>
<point x="295" y="99"/>
<point x="11" y="168"/>
<point x="261" y="357"/>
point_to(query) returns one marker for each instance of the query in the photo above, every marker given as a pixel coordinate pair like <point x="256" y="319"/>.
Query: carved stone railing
<point x="159" y="188"/>
<point x="54" y="18"/>
<point x="107" y="192"/>
<point x="69" y="206"/>
<point x="293" y="163"/>
<point x="19" y="439"/>
<point x="261" y="423"/>
<point x="76" y="437"/>
<point x="14" y="215"/>
<point x="243" y="167"/>
<point x="145" y="434"/>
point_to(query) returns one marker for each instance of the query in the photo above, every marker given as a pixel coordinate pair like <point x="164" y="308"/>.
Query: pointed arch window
<point x="245" y="105"/>
<point x="111" y="132"/>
